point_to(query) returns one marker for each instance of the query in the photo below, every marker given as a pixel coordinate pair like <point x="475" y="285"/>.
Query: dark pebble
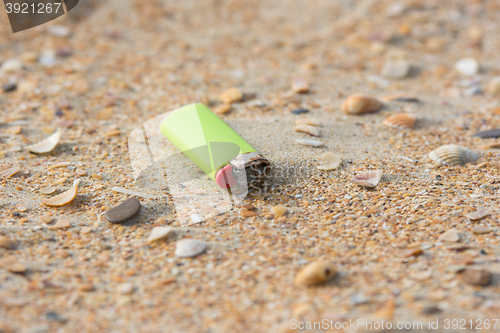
<point x="300" y="111"/>
<point x="495" y="133"/>
<point x="59" y="113"/>
<point x="431" y="310"/>
<point x="123" y="211"/>
<point x="8" y="87"/>
<point x="53" y="316"/>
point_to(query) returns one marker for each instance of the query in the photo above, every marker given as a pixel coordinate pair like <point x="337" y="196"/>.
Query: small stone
<point x="266" y="231"/>
<point x="85" y="230"/>
<point x="9" y="87"/>
<point x="299" y="111"/>
<point x="450" y="236"/>
<point x="478" y="214"/>
<point x="467" y="66"/>
<point x="431" y="310"/>
<point x="307" y="121"/>
<point x="46" y="219"/>
<point x="315" y="273"/>
<point x="300" y="85"/>
<point x="221" y="109"/>
<point x="11" y="264"/>
<point x="59" y="30"/>
<point x="159" y="233"/>
<point x="279" y="210"/>
<point x="86" y="287"/>
<point x="494" y="133"/>
<point x="396" y="69"/>
<point x="494" y="86"/>
<point x="60" y="224"/>
<point x="80" y="172"/>
<point x="231" y="95"/>
<point x="358" y="299"/>
<point x="478" y="277"/>
<point x="48" y="58"/>
<point x="53" y="316"/>
<point x="248" y="213"/>
<point x="481" y="229"/>
<point x="21" y="208"/>
<point x="11" y="65"/>
<point x="7" y="243"/>
<point x="124" y="211"/>
<point x="189" y="248"/>
<point x="249" y="207"/>
<point x="126" y="288"/>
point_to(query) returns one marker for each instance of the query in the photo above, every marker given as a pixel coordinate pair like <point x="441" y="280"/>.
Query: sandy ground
<point x="125" y="62"/>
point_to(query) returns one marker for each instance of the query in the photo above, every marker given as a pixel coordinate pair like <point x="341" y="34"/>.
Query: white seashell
<point x="189" y="247"/>
<point x="159" y="233"/>
<point x="306" y="142"/>
<point x="46" y="145"/>
<point x="331" y="161"/>
<point x="368" y="178"/>
<point x="467" y="66"/>
<point x="47" y="190"/>
<point x="478" y="214"/>
<point x="314" y="131"/>
<point x="453" y="155"/>
<point x="65" y="197"/>
<point x="10" y="172"/>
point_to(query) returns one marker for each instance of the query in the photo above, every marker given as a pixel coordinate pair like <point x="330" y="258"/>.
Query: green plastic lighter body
<point x="203" y="137"/>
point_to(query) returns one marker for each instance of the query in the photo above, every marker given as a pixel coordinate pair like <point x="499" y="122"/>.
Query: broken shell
<point x="400" y="120"/>
<point x="449" y="236"/>
<point x="46" y="145"/>
<point x="60" y="224"/>
<point x="359" y="103"/>
<point x="315" y="273"/>
<point x="307" y="121"/>
<point x="159" y="233"/>
<point x="368" y="178"/>
<point x="314" y="131"/>
<point x="312" y="143"/>
<point x="10" y="172"/>
<point x="453" y="155"/>
<point x="300" y="85"/>
<point x="279" y="210"/>
<point x="189" y="247"/>
<point x="63" y="198"/>
<point x="478" y="214"/>
<point x="12" y="265"/>
<point x="47" y="190"/>
<point x="331" y="161"/>
<point x="231" y="95"/>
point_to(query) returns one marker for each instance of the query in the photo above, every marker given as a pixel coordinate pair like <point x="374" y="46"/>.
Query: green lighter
<point x="215" y="148"/>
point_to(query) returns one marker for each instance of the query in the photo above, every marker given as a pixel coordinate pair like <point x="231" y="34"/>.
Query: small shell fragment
<point x="159" y="233"/>
<point x="453" y="155"/>
<point x="60" y="224"/>
<point x="314" y="131"/>
<point x="11" y="264"/>
<point x="65" y="197"/>
<point x="315" y="273"/>
<point x="10" y="172"/>
<point x="312" y="143"/>
<point x="359" y="103"/>
<point x="400" y="120"/>
<point x="330" y="161"/>
<point x="480" y="229"/>
<point x="300" y="85"/>
<point x="46" y="145"/>
<point x="221" y="109"/>
<point x="47" y="190"/>
<point x="189" y="247"/>
<point x="478" y="214"/>
<point x="467" y="66"/>
<point x="231" y="95"/>
<point x="307" y="121"/>
<point x="368" y="178"/>
<point x="279" y="210"/>
<point x="396" y="69"/>
<point x="449" y="236"/>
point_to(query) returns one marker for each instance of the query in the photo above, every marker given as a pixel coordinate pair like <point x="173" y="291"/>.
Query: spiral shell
<point x="453" y="155"/>
<point x="359" y="103"/>
<point x="400" y="120"/>
<point x="315" y="273"/>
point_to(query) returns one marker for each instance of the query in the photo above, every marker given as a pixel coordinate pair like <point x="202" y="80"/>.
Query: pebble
<point x="159" y="233"/>
<point x="300" y="85"/>
<point x="307" y="121"/>
<point x="467" y="66"/>
<point x="124" y="211"/>
<point x="494" y="133"/>
<point x="80" y="172"/>
<point x="478" y="277"/>
<point x="279" y="210"/>
<point x="221" y="109"/>
<point x="248" y="213"/>
<point x="299" y="111"/>
<point x="311" y="130"/>
<point x="9" y="87"/>
<point x="249" y="207"/>
<point x="21" y="208"/>
<point x="430" y="310"/>
<point x="11" y="65"/>
<point x="450" y="236"/>
<point x="494" y="86"/>
<point x="478" y="214"/>
<point x="231" y="95"/>
<point x="189" y="247"/>
<point x="308" y="142"/>
<point x="60" y="224"/>
<point x="11" y="264"/>
<point x="396" y="69"/>
<point x="7" y="243"/>
<point x="126" y="288"/>
<point x="46" y="219"/>
<point x="481" y="229"/>
<point x="315" y="273"/>
<point x="86" y="230"/>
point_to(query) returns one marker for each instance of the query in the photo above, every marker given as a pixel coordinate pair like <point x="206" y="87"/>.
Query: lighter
<point x="215" y="148"/>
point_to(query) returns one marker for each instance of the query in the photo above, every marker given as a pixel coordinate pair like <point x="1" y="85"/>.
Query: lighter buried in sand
<point x="215" y="148"/>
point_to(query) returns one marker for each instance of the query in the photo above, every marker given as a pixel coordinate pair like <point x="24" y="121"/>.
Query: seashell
<point x="159" y="233"/>
<point x="480" y="229"/>
<point x="46" y="145"/>
<point x="221" y="109"/>
<point x="10" y="172"/>
<point x="279" y="210"/>
<point x="400" y="120"/>
<point x="231" y="95"/>
<point x="7" y="243"/>
<point x="331" y="161"/>
<point x="248" y="213"/>
<point x="450" y="236"/>
<point x="494" y="133"/>
<point x="15" y="129"/>
<point x="11" y="264"/>
<point x="368" y="178"/>
<point x="359" y="103"/>
<point x="478" y="214"/>
<point x="189" y="247"/>
<point x="63" y="198"/>
<point x="300" y="85"/>
<point x="314" y="131"/>
<point x="453" y="155"/>
<point x="315" y="273"/>
<point x="312" y="143"/>
<point x="60" y="224"/>
<point x="47" y="190"/>
<point x="307" y="121"/>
